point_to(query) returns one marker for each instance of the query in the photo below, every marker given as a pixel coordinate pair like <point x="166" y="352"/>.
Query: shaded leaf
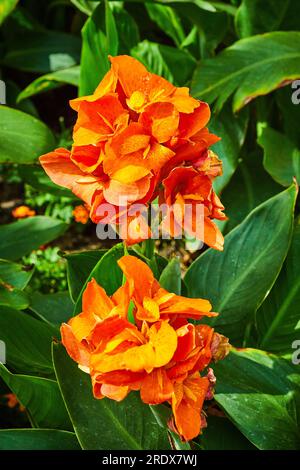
<point x="281" y="157"/>
<point x="170" y="278"/>
<point x="278" y="318"/>
<point x="51" y="81"/>
<point x="42" y="52"/>
<point x="15" y="274"/>
<point x="105" y="424"/>
<point x="52" y="308"/>
<point x="41" y="398"/>
<point x="39" y="230"/>
<point x="37" y="439"/>
<point x="237" y="280"/>
<point x="23" y="138"/>
<point x="261" y="394"/>
<point x="249" y="68"/>
<point x="28" y="342"/>
<point x="6" y="8"/>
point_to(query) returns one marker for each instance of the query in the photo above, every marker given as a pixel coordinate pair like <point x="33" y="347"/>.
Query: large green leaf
<point x="99" y="39"/>
<point x="237" y="280"/>
<point x="221" y="434"/>
<point x="42" y="52"/>
<point x="249" y="68"/>
<point x="278" y="318"/>
<point x="128" y="31"/>
<point x="51" y="81"/>
<point x="15" y="274"/>
<point x="41" y="398"/>
<point x="13" y="297"/>
<point x="52" y="308"/>
<point x="168" y="21"/>
<point x="170" y="278"/>
<point x="23" y="138"/>
<point x="261" y="395"/>
<point x="250" y="186"/>
<point x="6" y="7"/>
<point x="21" y="237"/>
<point x="232" y="130"/>
<point x="281" y="157"/>
<point x="79" y="267"/>
<point x="37" y="439"/>
<point x="290" y="112"/>
<point x="28" y="342"/>
<point x="260" y="16"/>
<point x="163" y="60"/>
<point x="105" y="424"/>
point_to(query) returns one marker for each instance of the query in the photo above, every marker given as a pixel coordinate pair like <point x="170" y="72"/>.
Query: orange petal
<point x="78" y="352"/>
<point x="130" y="73"/>
<point x="186" y="342"/>
<point x="161" y="120"/>
<point x="114" y="392"/>
<point x="138" y="275"/>
<point x="192" y="123"/>
<point x="95" y="301"/>
<point x="121" y="194"/>
<point x="212" y="235"/>
<point x="156" y="387"/>
<point x="64" y="172"/>
<point x="187" y="410"/>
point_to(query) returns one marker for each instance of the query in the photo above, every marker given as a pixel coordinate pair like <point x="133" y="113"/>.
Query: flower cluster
<point x="153" y="350"/>
<point x="136" y="138"/>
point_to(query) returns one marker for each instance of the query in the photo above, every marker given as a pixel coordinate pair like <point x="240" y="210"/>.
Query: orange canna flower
<point x="13" y="402"/>
<point x="129" y="135"/>
<point x="184" y="189"/>
<point x="81" y="214"/>
<point x="161" y="355"/>
<point x="22" y="212"/>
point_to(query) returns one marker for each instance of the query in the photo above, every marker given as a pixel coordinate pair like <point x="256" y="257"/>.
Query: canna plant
<point x="178" y="105"/>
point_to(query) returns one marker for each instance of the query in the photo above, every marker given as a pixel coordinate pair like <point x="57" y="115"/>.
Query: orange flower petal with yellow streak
<point x="156" y="387"/>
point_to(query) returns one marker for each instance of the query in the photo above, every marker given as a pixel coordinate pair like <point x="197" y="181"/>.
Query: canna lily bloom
<point x="22" y="212"/>
<point x="129" y="135"/>
<point x="81" y="214"/>
<point x="186" y="190"/>
<point x="160" y="354"/>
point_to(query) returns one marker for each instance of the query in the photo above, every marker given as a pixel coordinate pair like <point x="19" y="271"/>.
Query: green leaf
<point x="170" y="278"/>
<point x="167" y="20"/>
<point x="28" y="342"/>
<point x="281" y="157"/>
<point x="51" y="81"/>
<point x="35" y="176"/>
<point x="261" y="394"/>
<point x="163" y="60"/>
<point x="99" y="39"/>
<point x="221" y="434"/>
<point x="42" y="52"/>
<point x="23" y="138"/>
<point x="250" y="186"/>
<point x="237" y="280"/>
<point x="37" y="439"/>
<point x="15" y="274"/>
<point x="86" y="6"/>
<point x="12" y="93"/>
<point x="105" y="424"/>
<point x="6" y="8"/>
<point x="290" y="112"/>
<point x="20" y="238"/>
<point x="211" y="24"/>
<point x="79" y="267"/>
<point x="249" y="68"/>
<point x="232" y="130"/>
<point x="52" y="308"/>
<point x="13" y="297"/>
<point x="163" y="414"/>
<point x="41" y="398"/>
<point x="106" y="272"/>
<point x="127" y="28"/>
<point x="271" y="13"/>
<point x="278" y="318"/>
